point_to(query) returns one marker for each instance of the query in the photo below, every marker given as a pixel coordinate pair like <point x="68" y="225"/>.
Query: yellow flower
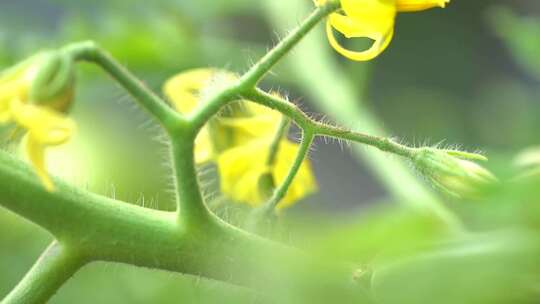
<point x="242" y="168"/>
<point x="33" y="96"/>
<point x="373" y="19"/>
<point x="239" y="140"/>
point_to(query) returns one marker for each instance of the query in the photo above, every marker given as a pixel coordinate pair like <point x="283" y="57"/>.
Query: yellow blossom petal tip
<point x="372" y="19"/>
<point x="35" y="152"/>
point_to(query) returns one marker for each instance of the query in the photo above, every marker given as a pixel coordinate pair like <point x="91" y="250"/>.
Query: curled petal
<point x="370" y="11"/>
<point x="419" y="5"/>
<point x="10" y="91"/>
<point x="379" y="45"/>
<point x="45" y="126"/>
<point x="35" y="152"/>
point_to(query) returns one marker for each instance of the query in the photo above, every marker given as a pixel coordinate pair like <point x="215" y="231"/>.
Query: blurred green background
<point x="467" y="75"/>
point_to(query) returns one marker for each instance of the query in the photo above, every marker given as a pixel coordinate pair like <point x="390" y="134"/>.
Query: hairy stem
<point x="89" y="51"/>
<point x="254" y="75"/>
<point x="319" y="74"/>
<point x="290" y="110"/>
<point x="190" y="203"/>
<point x="249" y="80"/>
<point x="281" y="133"/>
<point x="281" y="190"/>
<point x="55" y="266"/>
<point x="103" y="229"/>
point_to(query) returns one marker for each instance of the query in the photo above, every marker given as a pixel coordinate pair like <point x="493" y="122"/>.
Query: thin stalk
<point x="89" y="51"/>
<point x="249" y="80"/>
<point x="281" y="190"/>
<point x="254" y="75"/>
<point x="306" y="123"/>
<point x="281" y="133"/>
<point x="323" y="79"/>
<point x="55" y="266"/>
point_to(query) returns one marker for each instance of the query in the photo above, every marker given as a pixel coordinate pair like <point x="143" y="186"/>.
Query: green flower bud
<point x="453" y="172"/>
<point x="54" y="81"/>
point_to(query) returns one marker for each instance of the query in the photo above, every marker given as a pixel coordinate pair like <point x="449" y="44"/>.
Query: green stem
<point x="89" y="51"/>
<point x="103" y="229"/>
<point x="281" y="191"/>
<point x="249" y="80"/>
<point x="290" y="110"/>
<point x="319" y="74"/>
<point x="202" y="115"/>
<point x="281" y="133"/>
<point x="190" y="203"/>
<point x="382" y="143"/>
<point x="254" y="75"/>
<point x="55" y="266"/>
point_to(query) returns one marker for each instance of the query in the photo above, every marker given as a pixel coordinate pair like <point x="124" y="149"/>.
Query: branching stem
<point x="281" y="133"/>
<point x="89" y="51"/>
<point x="307" y="124"/>
<point x="192" y="240"/>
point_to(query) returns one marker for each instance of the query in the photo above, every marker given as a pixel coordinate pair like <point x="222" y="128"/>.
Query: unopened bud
<point x="54" y="81"/>
<point x="453" y="172"/>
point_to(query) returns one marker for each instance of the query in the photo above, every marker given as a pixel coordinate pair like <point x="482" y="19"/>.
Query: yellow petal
<point x="185" y="88"/>
<point x="203" y="147"/>
<point x="350" y="27"/>
<point x="245" y="129"/>
<point x="370" y="11"/>
<point x="35" y="151"/>
<point x="45" y="128"/>
<point x="44" y="125"/>
<point x="241" y="169"/>
<point x="373" y="19"/>
<point x="378" y="46"/>
<point x="419" y="5"/>
<point x="5" y="113"/>
<point x="9" y="91"/>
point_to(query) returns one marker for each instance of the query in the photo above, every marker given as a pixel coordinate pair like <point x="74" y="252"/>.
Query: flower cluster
<point x="373" y="19"/>
<point x="34" y="95"/>
<point x="239" y="141"/>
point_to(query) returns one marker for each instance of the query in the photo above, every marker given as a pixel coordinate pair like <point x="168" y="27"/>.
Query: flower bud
<point x="453" y="172"/>
<point x="54" y="81"/>
<point x="34" y="95"/>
